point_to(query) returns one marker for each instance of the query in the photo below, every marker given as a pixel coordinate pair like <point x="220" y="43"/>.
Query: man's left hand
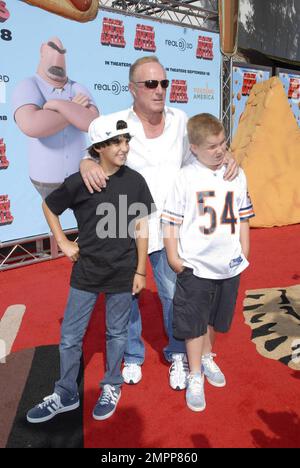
<point x="232" y="170"/>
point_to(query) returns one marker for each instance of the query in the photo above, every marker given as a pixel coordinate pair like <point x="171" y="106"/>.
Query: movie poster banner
<point x="244" y="77"/>
<point x="291" y="83"/>
<point x="97" y="57"/>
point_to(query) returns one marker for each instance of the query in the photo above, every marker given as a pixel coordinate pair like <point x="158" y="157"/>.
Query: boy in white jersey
<point x="206" y="234"/>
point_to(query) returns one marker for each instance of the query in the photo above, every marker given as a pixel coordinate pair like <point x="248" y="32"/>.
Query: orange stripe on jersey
<point x="246" y="213"/>
<point x="171" y="218"/>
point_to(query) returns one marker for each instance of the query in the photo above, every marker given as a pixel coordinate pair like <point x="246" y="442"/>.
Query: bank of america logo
<point x="2" y="93"/>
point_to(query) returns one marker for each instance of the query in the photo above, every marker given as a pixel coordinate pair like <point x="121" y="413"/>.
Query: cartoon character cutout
<point x="54" y="111"/>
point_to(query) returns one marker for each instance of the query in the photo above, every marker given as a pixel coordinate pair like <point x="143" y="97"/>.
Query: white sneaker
<point x="132" y="373"/>
<point x="179" y="371"/>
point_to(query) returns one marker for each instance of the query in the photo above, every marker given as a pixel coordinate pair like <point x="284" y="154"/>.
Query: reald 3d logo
<point x="181" y="44"/>
<point x="115" y="87"/>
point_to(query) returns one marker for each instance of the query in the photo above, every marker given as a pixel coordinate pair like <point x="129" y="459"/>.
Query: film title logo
<point x="5" y="214"/>
<point x="179" y="91"/>
<point x="181" y="44"/>
<point x="115" y="87"/>
<point x="205" y="48"/>
<point x="5" y="34"/>
<point x="294" y="89"/>
<point x="4" y="13"/>
<point x="249" y="80"/>
<point x="144" y="38"/>
<point x="112" y="33"/>
<point x="4" y="163"/>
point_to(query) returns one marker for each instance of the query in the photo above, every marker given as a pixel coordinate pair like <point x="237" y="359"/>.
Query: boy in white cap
<point x="110" y="257"/>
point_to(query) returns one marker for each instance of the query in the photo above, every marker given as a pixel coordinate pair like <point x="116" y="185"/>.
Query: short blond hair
<point x="200" y="126"/>
<point x="141" y="61"/>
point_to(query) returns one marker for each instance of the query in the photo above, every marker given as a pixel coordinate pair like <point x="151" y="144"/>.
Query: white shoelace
<point x="55" y="398"/>
<point x="208" y="360"/>
<point x="108" y="395"/>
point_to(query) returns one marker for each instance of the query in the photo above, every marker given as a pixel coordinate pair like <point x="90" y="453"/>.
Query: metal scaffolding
<point x="184" y="13"/>
<point x="226" y="98"/>
<point x="20" y="252"/>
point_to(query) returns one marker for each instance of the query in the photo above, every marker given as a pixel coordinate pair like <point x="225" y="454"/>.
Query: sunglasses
<point x="152" y="84"/>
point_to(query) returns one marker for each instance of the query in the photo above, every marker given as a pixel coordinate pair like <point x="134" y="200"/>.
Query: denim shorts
<point x="199" y="302"/>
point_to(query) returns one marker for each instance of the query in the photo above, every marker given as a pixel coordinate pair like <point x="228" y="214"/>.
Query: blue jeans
<point x="165" y="280"/>
<point x="76" y="319"/>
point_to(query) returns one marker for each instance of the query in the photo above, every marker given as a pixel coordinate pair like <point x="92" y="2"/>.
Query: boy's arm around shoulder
<point x="92" y="174"/>
<point x="69" y="248"/>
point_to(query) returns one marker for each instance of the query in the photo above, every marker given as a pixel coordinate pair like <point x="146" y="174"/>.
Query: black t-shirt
<point x="108" y="255"/>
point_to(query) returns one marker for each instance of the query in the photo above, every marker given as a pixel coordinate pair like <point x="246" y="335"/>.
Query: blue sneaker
<point x="195" y="398"/>
<point x="211" y="371"/>
<point x="50" y="407"/>
<point x="107" y="402"/>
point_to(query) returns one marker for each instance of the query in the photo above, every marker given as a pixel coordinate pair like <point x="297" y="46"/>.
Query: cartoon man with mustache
<point x="54" y="112"/>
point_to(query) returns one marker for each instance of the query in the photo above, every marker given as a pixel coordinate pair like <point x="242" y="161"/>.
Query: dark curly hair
<point x="121" y="125"/>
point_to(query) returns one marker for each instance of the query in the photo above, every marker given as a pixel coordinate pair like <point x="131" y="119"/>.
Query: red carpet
<point x="259" y="407"/>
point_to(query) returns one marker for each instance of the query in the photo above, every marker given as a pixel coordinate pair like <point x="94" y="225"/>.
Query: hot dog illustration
<point x="4" y="13"/>
<point x="78" y="10"/>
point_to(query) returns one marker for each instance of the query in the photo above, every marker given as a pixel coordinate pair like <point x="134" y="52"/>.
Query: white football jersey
<point x="208" y="210"/>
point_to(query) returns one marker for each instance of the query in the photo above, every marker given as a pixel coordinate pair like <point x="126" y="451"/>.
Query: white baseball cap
<point x="105" y="127"/>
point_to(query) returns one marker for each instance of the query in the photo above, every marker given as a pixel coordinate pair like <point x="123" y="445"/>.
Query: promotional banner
<point x="244" y="77"/>
<point x="96" y="56"/>
<point x="291" y="83"/>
